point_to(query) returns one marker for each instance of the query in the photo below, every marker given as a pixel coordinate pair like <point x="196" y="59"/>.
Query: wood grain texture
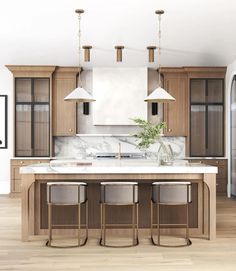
<point x="15" y="181"/>
<point x="202" y="255"/>
<point x="34" y="213"/>
<point x="64" y="112"/>
<point x="176" y="113"/>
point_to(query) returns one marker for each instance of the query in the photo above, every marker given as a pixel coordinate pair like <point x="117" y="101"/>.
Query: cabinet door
<point x="41" y="130"/>
<point x="32" y="96"/>
<point x="23" y="135"/>
<point x="207" y="117"/>
<point x="176" y="113"/>
<point x="64" y="112"/>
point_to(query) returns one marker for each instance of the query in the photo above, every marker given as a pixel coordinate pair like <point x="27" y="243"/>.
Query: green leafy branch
<point x="149" y="134"/>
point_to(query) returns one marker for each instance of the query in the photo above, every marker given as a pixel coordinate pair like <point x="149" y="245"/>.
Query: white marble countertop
<point x="114" y="166"/>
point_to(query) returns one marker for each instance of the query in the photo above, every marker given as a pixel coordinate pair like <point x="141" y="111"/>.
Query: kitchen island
<point x="143" y="171"/>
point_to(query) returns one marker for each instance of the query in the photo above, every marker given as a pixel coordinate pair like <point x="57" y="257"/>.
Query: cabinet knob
<point x="217" y="162"/>
<point x="70" y="130"/>
<point x="169" y="130"/>
<point x="22" y="162"/>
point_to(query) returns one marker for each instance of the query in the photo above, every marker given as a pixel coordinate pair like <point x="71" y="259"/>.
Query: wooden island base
<point x="34" y="206"/>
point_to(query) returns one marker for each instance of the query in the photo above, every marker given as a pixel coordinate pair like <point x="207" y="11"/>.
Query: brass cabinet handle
<point x="70" y="130"/>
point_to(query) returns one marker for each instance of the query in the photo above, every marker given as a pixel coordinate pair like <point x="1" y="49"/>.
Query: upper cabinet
<point x="176" y="113"/>
<point x="64" y="112"/>
<point x="32" y="110"/>
<point x="206" y="117"/>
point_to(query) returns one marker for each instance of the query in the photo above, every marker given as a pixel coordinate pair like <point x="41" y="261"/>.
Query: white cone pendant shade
<point x="159" y="95"/>
<point x="79" y="95"/>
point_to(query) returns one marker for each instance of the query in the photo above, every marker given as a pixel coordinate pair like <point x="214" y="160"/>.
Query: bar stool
<point x="119" y="194"/>
<point x="171" y="194"/>
<point x="67" y="194"/>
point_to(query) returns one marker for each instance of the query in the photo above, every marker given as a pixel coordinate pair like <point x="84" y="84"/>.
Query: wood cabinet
<point x="221" y="176"/>
<point x="64" y="112"/>
<point x="176" y="113"/>
<point x="15" y="184"/>
<point x="207" y="117"/>
<point x="32" y="116"/>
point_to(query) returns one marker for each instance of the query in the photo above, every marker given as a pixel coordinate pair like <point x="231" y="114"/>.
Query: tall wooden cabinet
<point x="64" y="112"/>
<point x="32" y="116"/>
<point x="176" y="113"/>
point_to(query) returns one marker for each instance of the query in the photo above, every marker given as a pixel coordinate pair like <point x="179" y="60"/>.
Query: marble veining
<point x="89" y="146"/>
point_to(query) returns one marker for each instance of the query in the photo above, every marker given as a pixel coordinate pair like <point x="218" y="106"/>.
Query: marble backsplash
<point x="88" y="146"/>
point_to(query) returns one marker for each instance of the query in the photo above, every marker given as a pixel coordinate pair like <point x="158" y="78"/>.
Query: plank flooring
<point x="202" y="255"/>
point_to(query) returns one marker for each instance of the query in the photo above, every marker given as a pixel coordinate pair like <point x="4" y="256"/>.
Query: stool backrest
<point x="171" y="192"/>
<point x="66" y="193"/>
<point x="118" y="193"/>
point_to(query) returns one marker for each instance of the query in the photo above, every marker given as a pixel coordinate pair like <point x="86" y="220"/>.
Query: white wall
<point x="6" y="88"/>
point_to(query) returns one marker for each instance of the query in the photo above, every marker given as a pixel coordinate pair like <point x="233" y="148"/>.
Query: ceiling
<point x="195" y="32"/>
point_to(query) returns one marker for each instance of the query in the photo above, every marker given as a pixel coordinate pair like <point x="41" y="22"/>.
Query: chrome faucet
<point x="119" y="151"/>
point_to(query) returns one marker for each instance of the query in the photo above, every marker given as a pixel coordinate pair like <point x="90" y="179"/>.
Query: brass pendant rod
<point x="159" y="13"/>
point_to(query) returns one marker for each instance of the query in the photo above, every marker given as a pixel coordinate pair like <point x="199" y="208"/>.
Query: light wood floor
<point x="202" y="255"/>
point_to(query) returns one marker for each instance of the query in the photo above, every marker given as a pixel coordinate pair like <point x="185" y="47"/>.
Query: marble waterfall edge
<point x="89" y="146"/>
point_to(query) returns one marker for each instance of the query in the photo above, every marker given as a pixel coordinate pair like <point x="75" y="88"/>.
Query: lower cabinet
<point x="15" y="173"/>
<point x="221" y="176"/>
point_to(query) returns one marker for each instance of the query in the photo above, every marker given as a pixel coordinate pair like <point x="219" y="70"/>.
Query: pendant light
<point x="79" y="94"/>
<point x="159" y="94"/>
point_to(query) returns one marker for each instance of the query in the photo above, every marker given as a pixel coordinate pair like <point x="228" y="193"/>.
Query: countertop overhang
<point x="115" y="166"/>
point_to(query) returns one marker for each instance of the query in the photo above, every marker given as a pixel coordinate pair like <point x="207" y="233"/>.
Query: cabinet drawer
<point x="25" y="162"/>
<point x="221" y="185"/>
<point x="222" y="172"/>
<point x="15" y="172"/>
<point x="16" y="186"/>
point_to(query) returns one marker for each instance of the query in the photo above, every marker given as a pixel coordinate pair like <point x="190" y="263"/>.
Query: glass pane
<point x="215" y="130"/>
<point x="41" y="90"/>
<point x="23" y="90"/>
<point x="215" y="91"/>
<point x="198" y="93"/>
<point x="41" y="130"/>
<point x="197" y="145"/>
<point x="23" y="130"/>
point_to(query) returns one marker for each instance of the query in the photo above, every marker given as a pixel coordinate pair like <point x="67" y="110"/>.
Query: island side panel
<point x="210" y="205"/>
<point x="27" y="221"/>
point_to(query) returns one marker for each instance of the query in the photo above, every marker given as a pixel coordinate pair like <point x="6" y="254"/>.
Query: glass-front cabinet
<point x="32" y="117"/>
<point x="207" y="117"/>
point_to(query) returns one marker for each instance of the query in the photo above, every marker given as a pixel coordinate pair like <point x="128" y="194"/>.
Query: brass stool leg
<point x="151" y="215"/>
<point x="101" y="214"/>
<point x="133" y="222"/>
<point x="137" y="223"/>
<point x="158" y="224"/>
<point x="104" y="224"/>
<point x="79" y="224"/>
<point x="86" y="213"/>
<point x="187" y="226"/>
<point x="49" y="225"/>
